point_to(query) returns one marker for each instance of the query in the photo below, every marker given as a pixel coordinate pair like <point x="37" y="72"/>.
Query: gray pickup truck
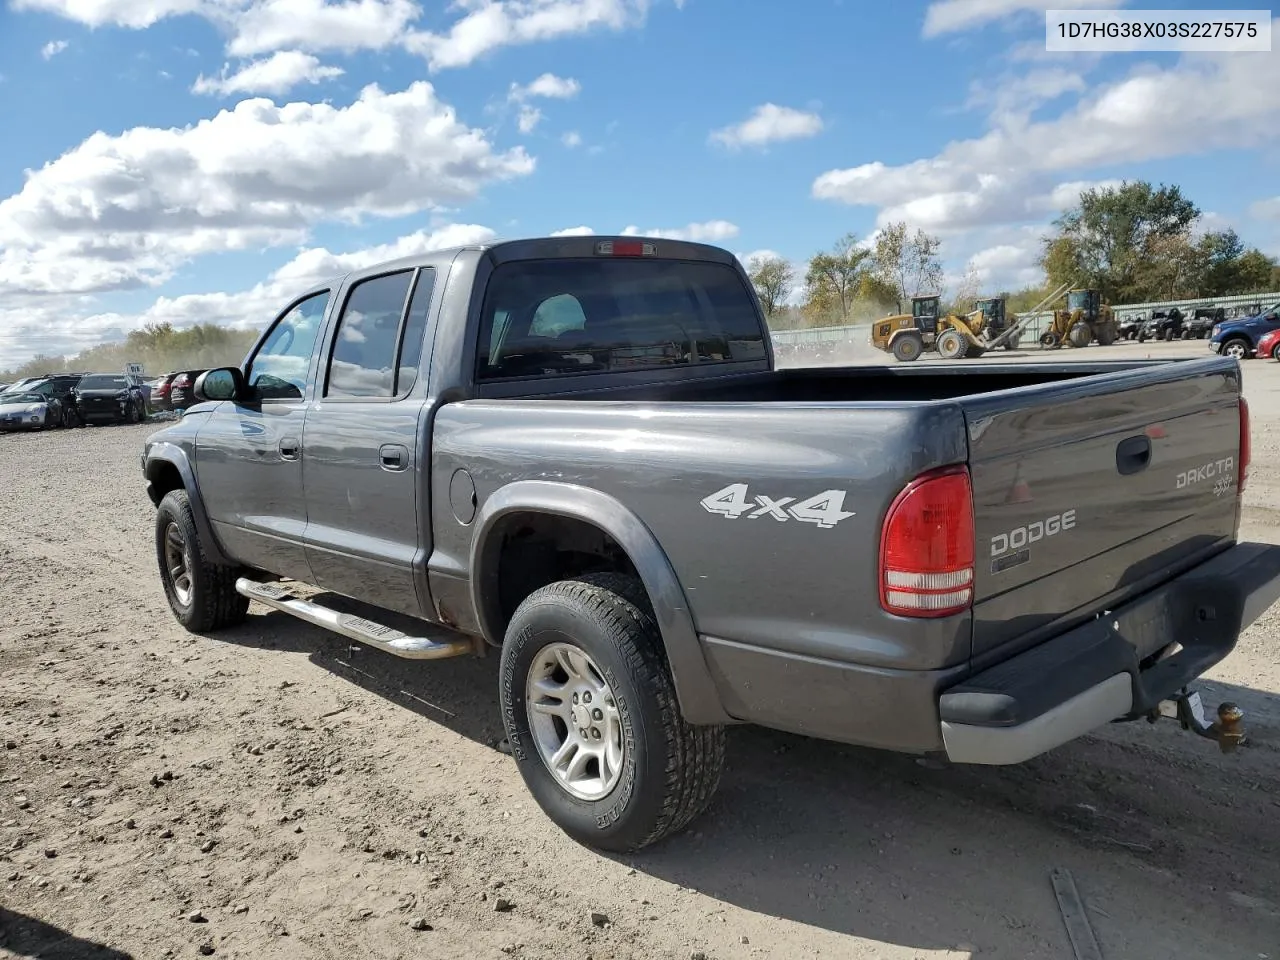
<point x="579" y="451"/>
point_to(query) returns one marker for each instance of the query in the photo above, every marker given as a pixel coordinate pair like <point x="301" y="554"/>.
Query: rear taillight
<point x="1246" y="446"/>
<point x="927" y="546"/>
<point x="181" y="381"/>
<point x="625" y="248"/>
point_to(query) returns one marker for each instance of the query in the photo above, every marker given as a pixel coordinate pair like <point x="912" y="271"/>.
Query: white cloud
<point x="952" y="16"/>
<point x="256" y="27"/>
<point x="769" y="123"/>
<point x="136" y="14"/>
<point x="529" y="118"/>
<point x="267" y="25"/>
<point x="708" y="232"/>
<point x="573" y="232"/>
<point x="53" y="48"/>
<point x="572" y="139"/>
<point x="1266" y="209"/>
<point x="119" y="211"/>
<point x="548" y="85"/>
<point x="277" y="74"/>
<point x="62" y="325"/>
<point x="1004" y="175"/>
<point x="491" y="24"/>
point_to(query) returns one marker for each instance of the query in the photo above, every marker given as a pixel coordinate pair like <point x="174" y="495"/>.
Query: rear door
<point x="366" y="488"/>
<point x="248" y="454"/>
<point x="1090" y="491"/>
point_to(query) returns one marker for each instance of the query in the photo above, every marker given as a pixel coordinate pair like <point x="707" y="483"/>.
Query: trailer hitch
<point x="1188" y="709"/>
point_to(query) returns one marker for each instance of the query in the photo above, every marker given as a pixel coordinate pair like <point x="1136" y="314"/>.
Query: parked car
<point x="59" y="388"/>
<point x="1239" y="338"/>
<point x="160" y="391"/>
<point x="1269" y="345"/>
<point x="110" y="398"/>
<point x="143" y="386"/>
<point x="21" y="410"/>
<point x="582" y="455"/>
<point x="180" y="395"/>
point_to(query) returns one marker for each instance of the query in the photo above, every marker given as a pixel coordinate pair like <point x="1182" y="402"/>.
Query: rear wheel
<point x="951" y="345"/>
<point x="201" y="594"/>
<point x="592" y="720"/>
<point x="1106" y="336"/>
<point x="908" y="347"/>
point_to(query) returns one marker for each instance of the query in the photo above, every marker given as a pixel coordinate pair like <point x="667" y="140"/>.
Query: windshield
<point x="564" y="317"/>
<point x="104" y="382"/>
<point x="22" y="398"/>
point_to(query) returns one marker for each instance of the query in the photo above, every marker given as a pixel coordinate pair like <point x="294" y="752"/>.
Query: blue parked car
<point x="1239" y="338"/>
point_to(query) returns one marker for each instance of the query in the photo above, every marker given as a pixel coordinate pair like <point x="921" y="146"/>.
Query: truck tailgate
<point x="1091" y="491"/>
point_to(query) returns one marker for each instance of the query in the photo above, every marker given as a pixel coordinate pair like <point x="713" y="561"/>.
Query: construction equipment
<point x="907" y="335"/>
<point x="970" y="335"/>
<point x="1085" y="319"/>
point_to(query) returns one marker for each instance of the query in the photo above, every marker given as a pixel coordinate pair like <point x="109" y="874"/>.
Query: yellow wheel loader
<point x="908" y="335"/>
<point x="1085" y="319"/>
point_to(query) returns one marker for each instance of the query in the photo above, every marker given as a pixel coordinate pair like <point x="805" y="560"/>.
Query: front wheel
<point x="592" y="720"/>
<point x="201" y="594"/>
<point x="1275" y="351"/>
<point x="1237" y="349"/>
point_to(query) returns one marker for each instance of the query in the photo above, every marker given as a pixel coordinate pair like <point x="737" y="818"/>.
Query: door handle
<point x="1133" y="455"/>
<point x="289" y="447"/>
<point x="393" y="456"/>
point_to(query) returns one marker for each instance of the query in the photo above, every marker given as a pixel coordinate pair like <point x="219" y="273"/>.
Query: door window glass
<point x="363" y="359"/>
<point x="278" y="371"/>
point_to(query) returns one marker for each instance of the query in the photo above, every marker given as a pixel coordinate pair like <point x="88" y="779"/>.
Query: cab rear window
<point x="570" y="317"/>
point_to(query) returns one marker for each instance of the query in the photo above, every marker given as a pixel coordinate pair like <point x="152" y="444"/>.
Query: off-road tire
<point x="1081" y="335"/>
<point x="908" y="347"/>
<point x="951" y="345"/>
<point x="214" y="603"/>
<point x="671" y="769"/>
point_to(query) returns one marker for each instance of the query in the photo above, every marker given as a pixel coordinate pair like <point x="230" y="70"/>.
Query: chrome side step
<point x="376" y="635"/>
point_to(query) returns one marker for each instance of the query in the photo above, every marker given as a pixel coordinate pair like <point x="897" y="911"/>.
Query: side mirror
<point x="221" y="383"/>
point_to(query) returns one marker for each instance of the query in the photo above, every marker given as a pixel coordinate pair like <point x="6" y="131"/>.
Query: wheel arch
<point x="167" y="468"/>
<point x="696" y="693"/>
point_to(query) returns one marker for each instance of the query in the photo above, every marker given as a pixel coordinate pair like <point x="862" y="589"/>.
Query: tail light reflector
<point x="927" y="546"/>
<point x="1246" y="446"/>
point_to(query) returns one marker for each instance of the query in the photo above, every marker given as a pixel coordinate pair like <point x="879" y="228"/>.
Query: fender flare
<point x="696" y="692"/>
<point x="176" y="457"/>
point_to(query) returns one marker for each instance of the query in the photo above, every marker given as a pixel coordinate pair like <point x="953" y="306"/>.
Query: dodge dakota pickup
<point x="578" y="452"/>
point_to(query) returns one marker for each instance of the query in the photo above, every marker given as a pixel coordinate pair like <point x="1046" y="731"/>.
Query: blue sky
<point x="194" y="160"/>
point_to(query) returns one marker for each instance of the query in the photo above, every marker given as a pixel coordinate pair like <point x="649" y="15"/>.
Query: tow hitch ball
<point x="1187" y="708"/>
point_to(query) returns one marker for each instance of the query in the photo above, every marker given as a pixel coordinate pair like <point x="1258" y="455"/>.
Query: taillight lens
<point x="927" y="546"/>
<point x="182" y="381"/>
<point x="1246" y="446"/>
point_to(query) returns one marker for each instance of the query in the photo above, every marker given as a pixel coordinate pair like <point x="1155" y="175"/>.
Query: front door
<point x="369" y="525"/>
<point x="249" y="453"/>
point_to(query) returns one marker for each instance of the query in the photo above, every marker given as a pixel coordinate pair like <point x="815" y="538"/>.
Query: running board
<point x="376" y="635"/>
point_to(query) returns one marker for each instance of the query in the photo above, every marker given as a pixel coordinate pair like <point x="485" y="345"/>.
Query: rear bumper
<point x="1091" y="675"/>
<point x="1024" y="706"/>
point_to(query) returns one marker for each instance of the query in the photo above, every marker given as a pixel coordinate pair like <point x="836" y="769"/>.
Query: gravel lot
<point x="270" y="793"/>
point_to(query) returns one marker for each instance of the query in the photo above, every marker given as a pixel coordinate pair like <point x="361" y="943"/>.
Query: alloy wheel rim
<point x="177" y="562"/>
<point x="574" y="720"/>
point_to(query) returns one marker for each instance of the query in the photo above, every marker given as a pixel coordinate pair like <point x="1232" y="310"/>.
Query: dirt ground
<point x="272" y="793"/>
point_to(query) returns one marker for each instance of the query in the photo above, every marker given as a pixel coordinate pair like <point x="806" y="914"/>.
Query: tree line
<point x="159" y="347"/>
<point x="1133" y="242"/>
